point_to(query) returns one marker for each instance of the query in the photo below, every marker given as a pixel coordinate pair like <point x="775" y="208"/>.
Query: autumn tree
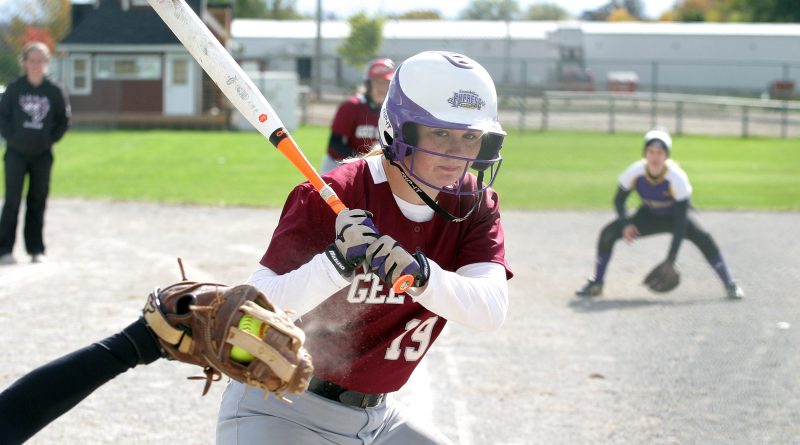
<point x="785" y="11"/>
<point x="620" y="15"/>
<point x="546" y="11"/>
<point x="491" y="10"/>
<point x="266" y="9"/>
<point x="633" y="9"/>
<point x="38" y="19"/>
<point x="47" y="21"/>
<point x="421" y="14"/>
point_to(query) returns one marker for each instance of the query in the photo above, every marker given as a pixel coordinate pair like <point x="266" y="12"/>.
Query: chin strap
<point x="432" y="204"/>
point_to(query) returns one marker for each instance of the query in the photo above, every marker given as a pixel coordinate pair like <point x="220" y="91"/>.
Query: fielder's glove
<point x="355" y="231"/>
<point x="663" y="278"/>
<point x="388" y="259"/>
<point x="234" y="331"/>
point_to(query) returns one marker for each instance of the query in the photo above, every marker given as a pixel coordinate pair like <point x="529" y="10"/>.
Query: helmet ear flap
<point x="490" y="149"/>
<point x="386" y="130"/>
<point x="388" y="138"/>
<point x="410" y="135"/>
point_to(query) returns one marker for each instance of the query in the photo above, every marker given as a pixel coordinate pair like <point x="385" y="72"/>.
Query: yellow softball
<point x="253" y="326"/>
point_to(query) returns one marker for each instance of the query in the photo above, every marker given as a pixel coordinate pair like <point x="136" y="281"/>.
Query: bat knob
<point x="402" y="284"/>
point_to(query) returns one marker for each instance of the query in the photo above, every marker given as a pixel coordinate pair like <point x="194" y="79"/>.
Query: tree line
<point x="49" y="20"/>
<point x="613" y="10"/>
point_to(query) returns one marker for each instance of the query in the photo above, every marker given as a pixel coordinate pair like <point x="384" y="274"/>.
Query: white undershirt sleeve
<point x="476" y="295"/>
<point x="302" y="289"/>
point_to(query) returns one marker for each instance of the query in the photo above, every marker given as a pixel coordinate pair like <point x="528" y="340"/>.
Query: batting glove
<point x="388" y="259"/>
<point x="355" y="231"/>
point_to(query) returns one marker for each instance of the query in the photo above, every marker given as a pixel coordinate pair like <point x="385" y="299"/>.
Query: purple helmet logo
<point x="466" y="99"/>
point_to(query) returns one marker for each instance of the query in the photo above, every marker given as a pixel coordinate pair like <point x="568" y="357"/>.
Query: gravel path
<point x="629" y="368"/>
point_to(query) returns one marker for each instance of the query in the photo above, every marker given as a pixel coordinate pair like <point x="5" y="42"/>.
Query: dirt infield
<point x="629" y="368"/>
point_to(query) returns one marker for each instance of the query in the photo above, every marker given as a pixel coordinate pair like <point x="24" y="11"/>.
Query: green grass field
<point x="553" y="170"/>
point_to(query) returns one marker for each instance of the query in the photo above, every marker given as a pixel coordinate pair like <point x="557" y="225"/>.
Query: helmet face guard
<point x="487" y="162"/>
<point x="448" y="91"/>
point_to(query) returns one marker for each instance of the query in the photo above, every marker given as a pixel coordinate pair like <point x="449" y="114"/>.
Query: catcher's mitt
<point x="235" y="331"/>
<point x="663" y="278"/>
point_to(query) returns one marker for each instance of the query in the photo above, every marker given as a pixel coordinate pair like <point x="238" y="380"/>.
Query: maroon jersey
<point x="365" y="337"/>
<point x="358" y="123"/>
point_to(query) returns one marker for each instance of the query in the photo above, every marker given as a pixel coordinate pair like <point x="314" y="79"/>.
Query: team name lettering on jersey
<point x="372" y="295"/>
<point x="367" y="132"/>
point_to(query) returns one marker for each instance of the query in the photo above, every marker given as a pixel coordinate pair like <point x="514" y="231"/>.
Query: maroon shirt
<point x="358" y="123"/>
<point x="365" y="337"/>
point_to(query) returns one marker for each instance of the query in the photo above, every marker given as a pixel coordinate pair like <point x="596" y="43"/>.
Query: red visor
<point x="381" y="69"/>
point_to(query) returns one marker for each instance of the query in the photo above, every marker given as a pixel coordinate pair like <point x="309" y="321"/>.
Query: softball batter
<point x="438" y="122"/>
<point x="665" y="192"/>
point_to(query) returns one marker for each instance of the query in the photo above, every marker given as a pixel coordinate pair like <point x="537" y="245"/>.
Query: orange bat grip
<point x="289" y="148"/>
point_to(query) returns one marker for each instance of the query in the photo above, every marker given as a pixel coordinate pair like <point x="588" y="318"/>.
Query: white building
<point x="692" y="57"/>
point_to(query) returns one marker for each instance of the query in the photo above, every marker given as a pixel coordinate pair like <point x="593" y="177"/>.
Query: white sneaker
<point x="7" y="258"/>
<point x="38" y="258"/>
<point x="734" y="291"/>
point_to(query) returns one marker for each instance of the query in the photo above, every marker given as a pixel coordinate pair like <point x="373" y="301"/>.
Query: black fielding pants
<point x="39" y="169"/>
<point x="650" y="224"/>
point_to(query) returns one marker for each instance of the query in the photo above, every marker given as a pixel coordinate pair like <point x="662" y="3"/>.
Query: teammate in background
<point x="354" y="130"/>
<point x="439" y="121"/>
<point x="665" y="192"/>
<point x="34" y="114"/>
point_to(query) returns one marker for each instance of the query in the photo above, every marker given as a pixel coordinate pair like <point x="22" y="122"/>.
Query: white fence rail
<point x="681" y="113"/>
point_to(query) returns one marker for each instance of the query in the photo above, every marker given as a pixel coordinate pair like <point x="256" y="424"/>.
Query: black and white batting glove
<point x="355" y="231"/>
<point x="387" y="258"/>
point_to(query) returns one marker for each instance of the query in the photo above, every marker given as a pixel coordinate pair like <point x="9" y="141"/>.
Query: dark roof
<point x="109" y="24"/>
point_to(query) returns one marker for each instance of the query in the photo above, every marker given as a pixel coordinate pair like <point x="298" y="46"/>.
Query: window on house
<point x="180" y="72"/>
<point x="127" y="4"/>
<point x="80" y="79"/>
<point x="127" y="67"/>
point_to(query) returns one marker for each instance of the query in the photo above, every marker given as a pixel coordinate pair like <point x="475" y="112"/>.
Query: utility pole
<point x="507" y="74"/>
<point x="318" y="54"/>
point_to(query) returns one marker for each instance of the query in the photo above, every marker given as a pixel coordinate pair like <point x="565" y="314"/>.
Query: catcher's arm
<point x="51" y="390"/>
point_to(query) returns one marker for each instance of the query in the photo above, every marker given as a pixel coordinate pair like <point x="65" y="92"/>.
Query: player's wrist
<point x="340" y="263"/>
<point x="144" y="341"/>
<point x="422" y="276"/>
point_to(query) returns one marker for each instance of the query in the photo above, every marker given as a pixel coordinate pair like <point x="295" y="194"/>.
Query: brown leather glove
<point x="234" y="331"/>
<point x="663" y="278"/>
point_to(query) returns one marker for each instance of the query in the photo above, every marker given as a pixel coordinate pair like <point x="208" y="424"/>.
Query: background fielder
<point x="665" y="192"/>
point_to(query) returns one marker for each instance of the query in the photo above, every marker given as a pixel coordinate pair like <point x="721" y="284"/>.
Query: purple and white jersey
<point x="365" y="337"/>
<point x="658" y="193"/>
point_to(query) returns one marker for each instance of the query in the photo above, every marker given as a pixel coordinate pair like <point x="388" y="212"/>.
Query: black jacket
<point x="33" y="118"/>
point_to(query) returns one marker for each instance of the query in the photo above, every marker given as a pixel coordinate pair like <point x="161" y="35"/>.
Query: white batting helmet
<point x="659" y="134"/>
<point x="445" y="90"/>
